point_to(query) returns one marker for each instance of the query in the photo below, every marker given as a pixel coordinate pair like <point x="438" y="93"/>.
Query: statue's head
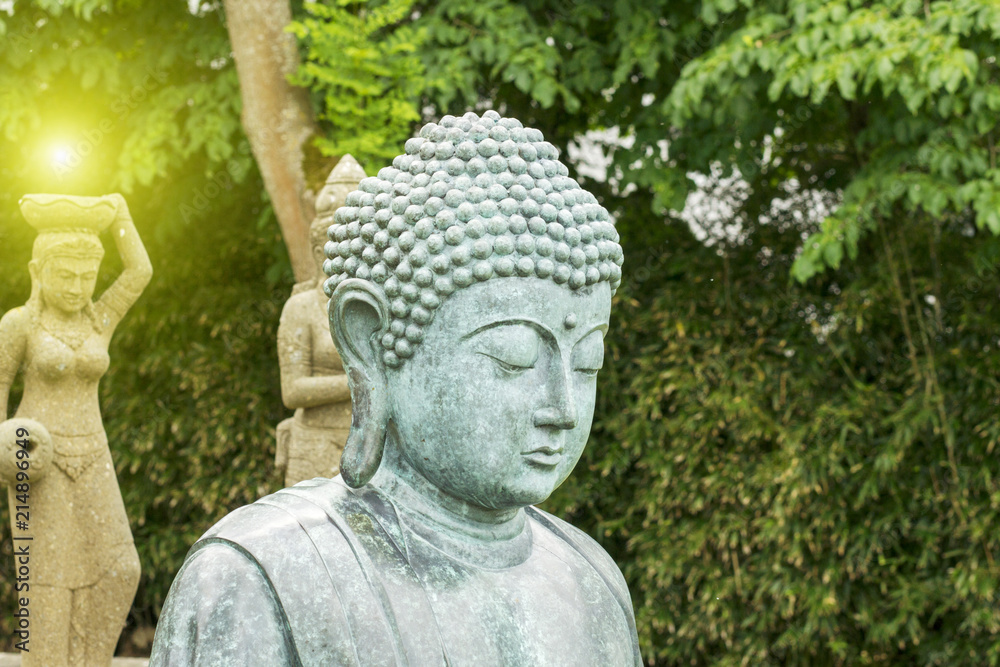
<point x="343" y="179"/>
<point x="471" y="287"/>
<point x="67" y="252"/>
<point x="64" y="268"/>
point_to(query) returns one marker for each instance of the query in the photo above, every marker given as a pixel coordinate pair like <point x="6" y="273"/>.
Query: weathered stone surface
<point x="313" y="381"/>
<point x="14" y="660"/>
<point x="470" y="299"/>
<point x="81" y="569"/>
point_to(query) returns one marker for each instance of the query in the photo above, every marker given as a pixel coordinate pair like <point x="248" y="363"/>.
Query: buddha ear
<point x="359" y="316"/>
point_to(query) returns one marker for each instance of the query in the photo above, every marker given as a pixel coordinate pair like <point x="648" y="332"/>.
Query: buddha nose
<point x="560" y="410"/>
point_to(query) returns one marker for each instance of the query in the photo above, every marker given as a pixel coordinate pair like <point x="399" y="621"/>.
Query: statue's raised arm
<point x="138" y="270"/>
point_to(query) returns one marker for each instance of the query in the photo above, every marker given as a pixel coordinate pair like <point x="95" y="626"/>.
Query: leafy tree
<point x="895" y="102"/>
<point x="874" y="535"/>
<point x="364" y="64"/>
<point x="95" y="99"/>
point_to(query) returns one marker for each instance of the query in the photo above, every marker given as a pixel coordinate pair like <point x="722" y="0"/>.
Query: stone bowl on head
<point x="46" y="212"/>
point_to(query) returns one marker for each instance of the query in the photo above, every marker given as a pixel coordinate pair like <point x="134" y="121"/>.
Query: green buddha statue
<point x="470" y="290"/>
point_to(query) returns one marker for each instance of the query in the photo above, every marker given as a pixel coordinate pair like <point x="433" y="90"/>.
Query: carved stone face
<point x="67" y="283"/>
<point x="496" y="404"/>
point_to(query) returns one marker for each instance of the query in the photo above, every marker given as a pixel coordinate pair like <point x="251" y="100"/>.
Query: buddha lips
<point x="473" y="198"/>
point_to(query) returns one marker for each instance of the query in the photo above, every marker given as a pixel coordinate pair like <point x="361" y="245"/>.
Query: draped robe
<point x="321" y="574"/>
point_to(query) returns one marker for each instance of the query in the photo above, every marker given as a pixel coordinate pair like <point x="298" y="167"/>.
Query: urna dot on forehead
<point x="472" y="199"/>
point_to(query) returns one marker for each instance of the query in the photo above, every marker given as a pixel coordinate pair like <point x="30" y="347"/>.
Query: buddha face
<point x="495" y="406"/>
<point x="67" y="282"/>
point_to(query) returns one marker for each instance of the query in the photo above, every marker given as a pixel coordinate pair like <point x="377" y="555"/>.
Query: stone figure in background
<point x="470" y="289"/>
<point x="313" y="382"/>
<point x="84" y="568"/>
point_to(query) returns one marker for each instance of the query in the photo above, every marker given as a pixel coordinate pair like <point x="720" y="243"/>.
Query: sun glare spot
<point x="62" y="158"/>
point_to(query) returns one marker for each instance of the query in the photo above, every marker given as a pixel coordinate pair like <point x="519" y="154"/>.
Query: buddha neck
<point x="415" y="494"/>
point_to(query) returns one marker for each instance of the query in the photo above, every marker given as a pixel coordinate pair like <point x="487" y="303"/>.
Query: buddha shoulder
<point x="279" y="522"/>
<point x="256" y="582"/>
<point x="588" y="547"/>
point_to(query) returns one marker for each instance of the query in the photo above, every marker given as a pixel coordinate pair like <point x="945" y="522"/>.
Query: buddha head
<point x="67" y="252"/>
<point x="471" y="288"/>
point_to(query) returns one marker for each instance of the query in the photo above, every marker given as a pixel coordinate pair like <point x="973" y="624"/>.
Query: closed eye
<point x="588" y="355"/>
<point x="507" y="366"/>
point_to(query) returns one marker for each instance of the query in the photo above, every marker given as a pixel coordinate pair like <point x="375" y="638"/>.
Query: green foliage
<point x="369" y="73"/>
<point x="895" y="102"/>
<point x="501" y="37"/>
<point x="586" y="65"/>
<point x="121" y="105"/>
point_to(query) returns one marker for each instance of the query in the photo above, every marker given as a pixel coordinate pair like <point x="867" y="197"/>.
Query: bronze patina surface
<point x="470" y="289"/>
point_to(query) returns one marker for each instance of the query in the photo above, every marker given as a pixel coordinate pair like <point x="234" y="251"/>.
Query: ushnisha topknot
<point x="473" y="198"/>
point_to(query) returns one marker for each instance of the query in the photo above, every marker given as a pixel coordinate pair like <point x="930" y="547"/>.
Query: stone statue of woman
<point x="83" y="567"/>
<point x="313" y="381"/>
<point x="470" y="290"/>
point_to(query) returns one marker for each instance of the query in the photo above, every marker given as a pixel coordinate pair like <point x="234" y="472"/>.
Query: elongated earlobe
<point x="359" y="315"/>
<point x="366" y="441"/>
